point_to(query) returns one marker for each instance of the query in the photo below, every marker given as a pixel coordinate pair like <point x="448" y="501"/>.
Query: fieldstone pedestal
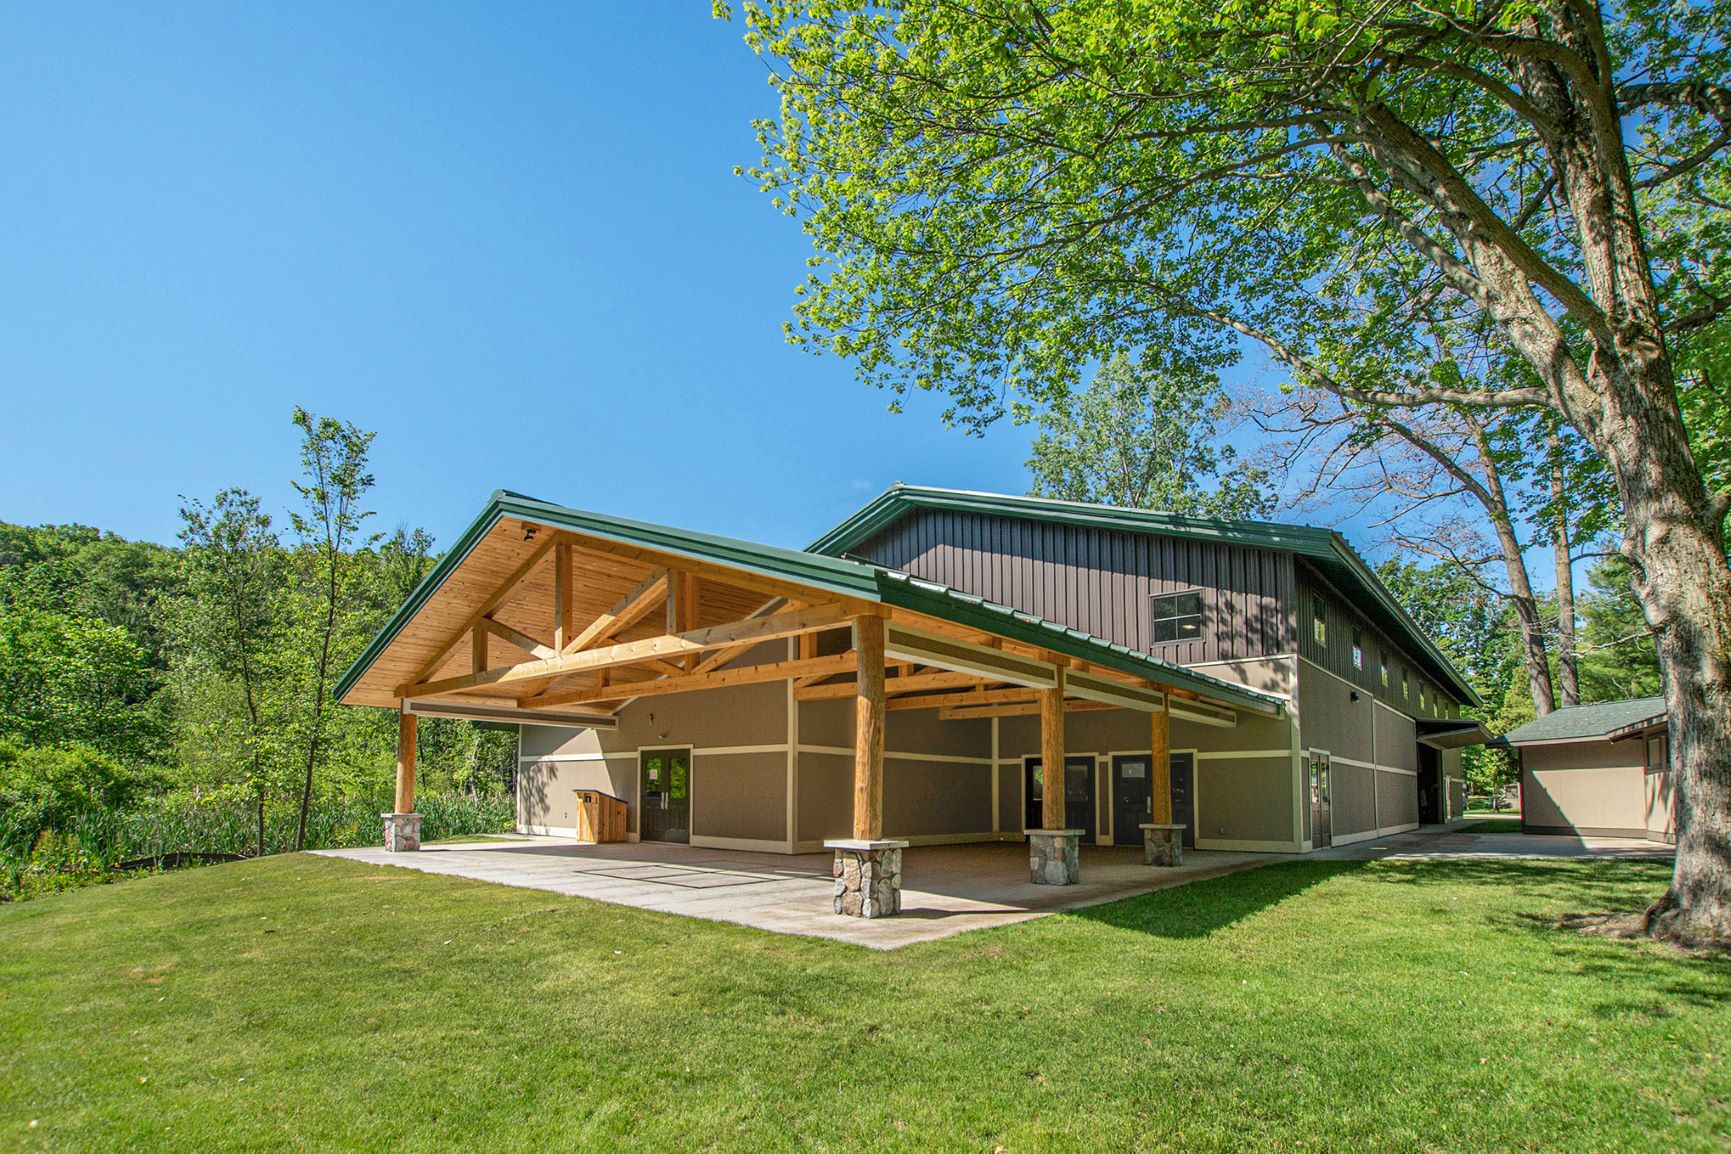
<point x="1053" y="856"/>
<point x="402" y="831"/>
<point x="1162" y="845"/>
<point x="868" y="877"/>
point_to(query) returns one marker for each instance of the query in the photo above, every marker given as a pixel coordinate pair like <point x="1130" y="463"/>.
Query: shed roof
<point x="840" y="576"/>
<point x="1585" y="722"/>
<point x="1326" y="549"/>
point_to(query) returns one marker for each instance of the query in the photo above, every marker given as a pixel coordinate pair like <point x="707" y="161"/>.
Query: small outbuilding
<point x="1601" y="770"/>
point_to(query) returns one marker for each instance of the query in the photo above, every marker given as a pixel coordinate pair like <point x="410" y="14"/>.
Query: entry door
<point x="1321" y="817"/>
<point x="1132" y="797"/>
<point x="1430" y="808"/>
<point x="664" y="793"/>
<point x="1078" y="795"/>
<point x="1183" y="785"/>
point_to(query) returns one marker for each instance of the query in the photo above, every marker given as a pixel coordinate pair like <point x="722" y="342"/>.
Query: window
<point x="1178" y="616"/>
<point x="1319" y="620"/>
<point x="1404" y="694"/>
<point x="1385" y="669"/>
<point x="1421" y="703"/>
<point x="1357" y="650"/>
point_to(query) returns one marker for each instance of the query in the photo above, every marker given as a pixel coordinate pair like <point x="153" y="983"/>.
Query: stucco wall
<point x="1590" y="787"/>
<point x="1396" y="799"/>
<point x="1353" y="799"/>
<point x="1244" y="800"/>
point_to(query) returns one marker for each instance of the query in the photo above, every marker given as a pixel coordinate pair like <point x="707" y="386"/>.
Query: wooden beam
<point x="951" y="700"/>
<point x="1014" y="709"/>
<point x="486" y="607"/>
<point x="912" y="683"/>
<point x="1160" y="743"/>
<point x="868" y="733"/>
<point x="627" y="611"/>
<point x="1052" y="755"/>
<point x="720" y="678"/>
<point x="734" y="652"/>
<point x="405" y="762"/>
<point x="564" y="623"/>
<point x="634" y="652"/>
<point x="478" y="647"/>
<point x="518" y="638"/>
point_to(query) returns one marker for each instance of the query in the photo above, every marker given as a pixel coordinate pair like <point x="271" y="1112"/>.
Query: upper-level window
<point x="1319" y="620"/>
<point x="1421" y="703"/>
<point x="1178" y="616"/>
<point x="1385" y="669"/>
<point x="1357" y="649"/>
<point x="1404" y="694"/>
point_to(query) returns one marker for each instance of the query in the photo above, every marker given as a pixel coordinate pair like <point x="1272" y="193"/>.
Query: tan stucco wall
<point x="1244" y="800"/>
<point x="1585" y="787"/>
<point x="1396" y="799"/>
<point x="1329" y="719"/>
<point x="922" y="799"/>
<point x="1352" y="799"/>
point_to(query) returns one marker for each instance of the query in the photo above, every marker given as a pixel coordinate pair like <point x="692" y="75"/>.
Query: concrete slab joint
<point x="1162" y="844"/>
<point x="402" y="831"/>
<point x="1053" y="856"/>
<point x="868" y="877"/>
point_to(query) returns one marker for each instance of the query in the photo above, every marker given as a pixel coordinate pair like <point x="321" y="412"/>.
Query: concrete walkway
<point x="949" y="889"/>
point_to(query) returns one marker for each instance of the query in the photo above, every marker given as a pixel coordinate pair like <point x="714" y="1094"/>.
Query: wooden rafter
<point x="633" y="652"/>
<point x="895" y="686"/>
<point x="485" y="608"/>
<point x="965" y="697"/>
<point x="743" y="675"/>
<point x="626" y="612"/>
<point x="530" y="645"/>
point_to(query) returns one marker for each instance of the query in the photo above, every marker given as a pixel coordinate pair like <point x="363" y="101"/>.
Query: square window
<point x="1178" y="616"/>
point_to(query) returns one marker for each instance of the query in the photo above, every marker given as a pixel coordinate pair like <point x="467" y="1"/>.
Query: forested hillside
<point x="164" y="700"/>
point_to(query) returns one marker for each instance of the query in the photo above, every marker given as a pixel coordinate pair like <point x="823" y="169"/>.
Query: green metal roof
<point x="837" y="575"/>
<point x="1326" y="549"/>
<point x="1584" y="722"/>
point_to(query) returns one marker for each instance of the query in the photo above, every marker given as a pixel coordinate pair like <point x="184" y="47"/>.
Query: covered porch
<point x="952" y="889"/>
<point x="556" y="618"/>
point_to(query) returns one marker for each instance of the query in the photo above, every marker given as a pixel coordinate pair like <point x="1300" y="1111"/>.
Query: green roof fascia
<point x="907" y="592"/>
<point x="1324" y="546"/>
<point x="832" y="574"/>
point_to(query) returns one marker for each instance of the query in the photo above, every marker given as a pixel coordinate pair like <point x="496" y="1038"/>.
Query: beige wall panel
<point x="1012" y="806"/>
<point x="923" y="798"/>
<point x="1268" y="674"/>
<point x="1352" y="799"/>
<point x="922" y="731"/>
<point x="1396" y="742"/>
<point x="825" y="793"/>
<point x="1329" y="718"/>
<point x="1098" y="731"/>
<point x="1588" y="786"/>
<point x="828" y="723"/>
<point x="547" y="789"/>
<point x="1661" y="816"/>
<point x="1396" y="799"/>
<point x="1244" y="799"/>
<point x="739" y="795"/>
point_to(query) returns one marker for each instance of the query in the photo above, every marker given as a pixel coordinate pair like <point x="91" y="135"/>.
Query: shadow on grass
<point x="1205" y="907"/>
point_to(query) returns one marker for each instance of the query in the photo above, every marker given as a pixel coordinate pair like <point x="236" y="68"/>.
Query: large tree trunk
<point x="1675" y="542"/>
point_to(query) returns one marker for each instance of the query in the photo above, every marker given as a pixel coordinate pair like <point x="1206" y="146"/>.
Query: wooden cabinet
<point x="600" y="817"/>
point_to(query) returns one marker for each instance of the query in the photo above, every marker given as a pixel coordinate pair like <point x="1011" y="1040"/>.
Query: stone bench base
<point x="402" y="831"/>
<point x="1162" y="844"/>
<point x="1053" y="856"/>
<point x="868" y="877"/>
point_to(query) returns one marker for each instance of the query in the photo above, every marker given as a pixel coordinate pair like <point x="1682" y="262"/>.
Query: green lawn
<point x="1493" y="825"/>
<point x="304" y="1003"/>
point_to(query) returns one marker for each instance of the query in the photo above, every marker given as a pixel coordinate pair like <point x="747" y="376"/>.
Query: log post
<point x="868" y="740"/>
<point x="1052" y="755"/>
<point x="403" y="824"/>
<point x="1160" y="756"/>
<point x="868" y="867"/>
<point x="1162" y="839"/>
<point x="1053" y="851"/>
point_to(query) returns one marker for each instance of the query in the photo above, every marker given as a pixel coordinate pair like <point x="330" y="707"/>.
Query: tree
<point x="1618" y="659"/>
<point x="234" y="588"/>
<point x="999" y="193"/>
<point x="335" y="478"/>
<point x="1142" y="435"/>
<point x="68" y="680"/>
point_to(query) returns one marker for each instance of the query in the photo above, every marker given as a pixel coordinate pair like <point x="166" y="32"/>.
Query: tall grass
<point x="96" y="841"/>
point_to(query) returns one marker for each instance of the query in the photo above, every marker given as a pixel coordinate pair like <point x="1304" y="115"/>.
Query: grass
<point x="1492" y="825"/>
<point x="306" y="1003"/>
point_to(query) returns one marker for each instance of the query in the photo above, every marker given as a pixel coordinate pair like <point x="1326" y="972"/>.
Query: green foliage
<point x="1142" y="435"/>
<point x="1618" y="657"/>
<point x="42" y="789"/>
<point x="69" y="680"/>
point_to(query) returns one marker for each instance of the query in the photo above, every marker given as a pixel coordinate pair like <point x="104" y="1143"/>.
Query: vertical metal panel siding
<point x="1337" y="656"/>
<point x="1102" y="580"/>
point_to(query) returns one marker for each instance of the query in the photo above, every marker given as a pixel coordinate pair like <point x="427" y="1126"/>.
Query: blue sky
<point x="508" y="239"/>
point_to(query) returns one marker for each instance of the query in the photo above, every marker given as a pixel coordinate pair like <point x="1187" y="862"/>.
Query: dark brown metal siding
<point x="1102" y="580"/>
<point x="1336" y="656"/>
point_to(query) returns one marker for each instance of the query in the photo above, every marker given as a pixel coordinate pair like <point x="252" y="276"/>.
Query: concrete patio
<point x="949" y="889"/>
